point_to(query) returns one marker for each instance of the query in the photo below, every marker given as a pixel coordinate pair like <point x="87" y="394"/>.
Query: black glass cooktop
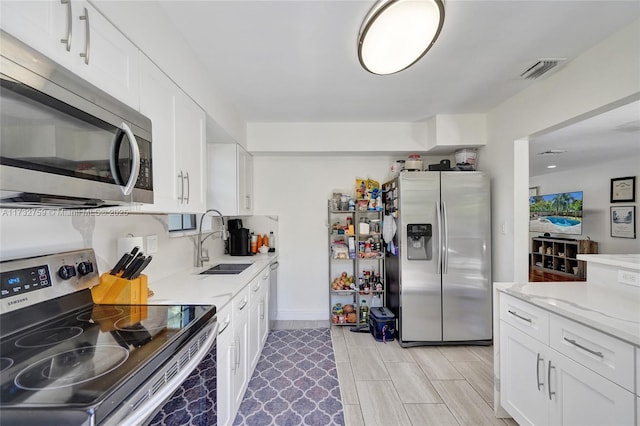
<point x="84" y="356"/>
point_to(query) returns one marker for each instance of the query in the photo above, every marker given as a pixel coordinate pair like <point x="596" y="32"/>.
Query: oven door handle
<point x="139" y="416"/>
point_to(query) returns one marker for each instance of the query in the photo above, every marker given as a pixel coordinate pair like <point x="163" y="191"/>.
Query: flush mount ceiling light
<point x="396" y="33"/>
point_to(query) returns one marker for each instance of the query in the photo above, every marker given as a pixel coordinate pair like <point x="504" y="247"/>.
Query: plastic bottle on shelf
<point x="272" y="241"/>
<point x="376" y="302"/>
<point x="364" y="311"/>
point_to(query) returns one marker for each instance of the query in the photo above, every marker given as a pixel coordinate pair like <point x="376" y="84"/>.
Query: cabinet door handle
<point x="591" y="351"/>
<point x="538" y="359"/>
<point x="87" y="42"/>
<point x="256" y="288"/>
<point x="549" y="380"/>
<point x="186" y="200"/>
<point x="244" y="303"/>
<point x="238" y="349"/>
<point x="67" y="40"/>
<point x="181" y="178"/>
<point x="261" y="309"/>
<point x="520" y="316"/>
<point x="247" y="202"/>
<point x="233" y="356"/>
<point x="224" y="326"/>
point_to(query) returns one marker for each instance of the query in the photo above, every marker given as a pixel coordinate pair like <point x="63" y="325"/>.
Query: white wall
<point x="595" y="182"/>
<point x="22" y="236"/>
<point x="603" y="75"/>
<point x="336" y="137"/>
<point x="296" y="188"/>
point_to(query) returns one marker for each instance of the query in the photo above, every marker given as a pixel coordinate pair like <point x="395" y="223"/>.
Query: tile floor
<point x="385" y="384"/>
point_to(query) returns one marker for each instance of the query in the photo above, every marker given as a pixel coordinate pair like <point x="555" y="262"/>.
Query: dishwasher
<point x="273" y="296"/>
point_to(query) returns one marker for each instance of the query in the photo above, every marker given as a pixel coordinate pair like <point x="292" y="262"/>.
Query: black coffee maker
<point x="239" y="243"/>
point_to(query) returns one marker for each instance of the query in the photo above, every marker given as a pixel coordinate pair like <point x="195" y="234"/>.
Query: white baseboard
<point x="291" y="315"/>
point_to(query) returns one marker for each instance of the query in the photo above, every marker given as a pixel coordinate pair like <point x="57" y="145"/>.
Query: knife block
<point x="114" y="290"/>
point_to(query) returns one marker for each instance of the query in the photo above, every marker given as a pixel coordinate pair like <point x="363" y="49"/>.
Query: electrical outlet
<point x="152" y="244"/>
<point x="629" y="277"/>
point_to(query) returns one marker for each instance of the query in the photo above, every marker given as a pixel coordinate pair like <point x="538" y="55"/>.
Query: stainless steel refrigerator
<point x="438" y="263"/>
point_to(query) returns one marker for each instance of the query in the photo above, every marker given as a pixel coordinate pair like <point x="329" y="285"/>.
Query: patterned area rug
<point x="295" y="382"/>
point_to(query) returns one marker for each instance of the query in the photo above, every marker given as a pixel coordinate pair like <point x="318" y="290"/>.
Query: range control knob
<point x="85" y="268"/>
<point x="66" y="271"/>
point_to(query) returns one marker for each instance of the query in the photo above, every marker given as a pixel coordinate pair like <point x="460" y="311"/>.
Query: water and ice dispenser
<point x="419" y="245"/>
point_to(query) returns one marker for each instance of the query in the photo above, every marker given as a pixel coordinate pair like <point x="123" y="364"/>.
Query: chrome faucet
<point x="200" y="256"/>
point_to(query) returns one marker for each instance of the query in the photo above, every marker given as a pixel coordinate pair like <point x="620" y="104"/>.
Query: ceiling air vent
<point x="541" y="67"/>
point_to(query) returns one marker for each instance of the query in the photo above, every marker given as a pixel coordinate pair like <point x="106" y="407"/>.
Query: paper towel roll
<point x="126" y="244"/>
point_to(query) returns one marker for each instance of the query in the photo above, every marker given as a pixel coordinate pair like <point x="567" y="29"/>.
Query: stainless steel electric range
<point x="65" y="360"/>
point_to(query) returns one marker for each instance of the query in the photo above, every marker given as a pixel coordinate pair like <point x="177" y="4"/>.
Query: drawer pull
<point x="256" y="288"/>
<point x="591" y="351"/>
<point x="538" y="359"/>
<point x="520" y="316"/>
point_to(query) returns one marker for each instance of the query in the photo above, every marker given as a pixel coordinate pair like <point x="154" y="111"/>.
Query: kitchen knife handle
<point x="132" y="267"/>
<point x="120" y="264"/>
<point x="141" y="268"/>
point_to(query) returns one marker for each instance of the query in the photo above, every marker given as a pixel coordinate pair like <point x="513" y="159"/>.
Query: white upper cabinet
<point x="447" y="133"/>
<point x="74" y="34"/>
<point x="178" y="145"/>
<point x="230" y="188"/>
<point x="190" y="147"/>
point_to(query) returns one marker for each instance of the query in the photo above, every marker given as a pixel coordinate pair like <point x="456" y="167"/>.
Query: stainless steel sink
<point x="226" y="269"/>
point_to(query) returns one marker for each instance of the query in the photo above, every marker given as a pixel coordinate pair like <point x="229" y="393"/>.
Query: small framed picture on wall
<point x="623" y="221"/>
<point x="623" y="190"/>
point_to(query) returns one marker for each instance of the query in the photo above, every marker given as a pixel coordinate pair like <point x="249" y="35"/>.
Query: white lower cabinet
<point x="225" y="366"/>
<point x="522" y="382"/>
<point x="258" y="317"/>
<point x="243" y="329"/>
<point x="580" y="396"/>
<point x="232" y="345"/>
<point x="542" y="386"/>
<point x="241" y="375"/>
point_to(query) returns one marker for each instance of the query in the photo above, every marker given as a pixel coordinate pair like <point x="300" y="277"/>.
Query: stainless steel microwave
<point x="63" y="142"/>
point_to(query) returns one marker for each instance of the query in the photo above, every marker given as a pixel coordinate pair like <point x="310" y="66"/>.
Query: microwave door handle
<point x="114" y="158"/>
<point x="135" y="160"/>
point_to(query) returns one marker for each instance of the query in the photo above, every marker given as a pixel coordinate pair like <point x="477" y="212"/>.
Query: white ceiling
<point x="296" y="60"/>
<point x="606" y="137"/>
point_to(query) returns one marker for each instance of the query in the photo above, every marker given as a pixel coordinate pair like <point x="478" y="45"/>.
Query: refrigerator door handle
<point x="445" y="242"/>
<point x="439" y="226"/>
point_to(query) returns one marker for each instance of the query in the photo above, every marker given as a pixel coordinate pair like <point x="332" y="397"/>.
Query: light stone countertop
<point x="612" y="309"/>
<point x="628" y="261"/>
<point x="188" y="287"/>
